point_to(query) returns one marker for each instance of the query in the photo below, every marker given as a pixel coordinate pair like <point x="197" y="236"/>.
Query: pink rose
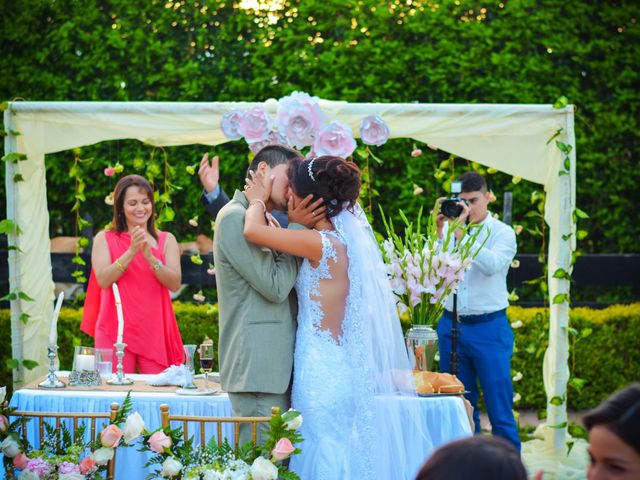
<point x="335" y="139"/>
<point x="20" y="461"/>
<point x="229" y="124"/>
<point x="4" y="423"/>
<point x="159" y="441"/>
<point x="374" y="130"/>
<point x="110" y="436"/>
<point x="255" y="125"/>
<point x="299" y="119"/>
<point x="88" y="465"/>
<point x="283" y="449"/>
<point x="109" y="171"/>
<point x="416" y="152"/>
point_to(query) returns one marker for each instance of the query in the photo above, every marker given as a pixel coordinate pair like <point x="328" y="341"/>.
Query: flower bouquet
<point x="65" y="455"/>
<point x="176" y="457"/>
<point x="423" y="270"/>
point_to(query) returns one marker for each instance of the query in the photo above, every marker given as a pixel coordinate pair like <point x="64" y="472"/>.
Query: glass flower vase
<point x="422" y="346"/>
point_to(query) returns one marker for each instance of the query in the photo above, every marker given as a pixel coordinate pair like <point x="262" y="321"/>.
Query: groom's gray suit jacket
<point x="257" y="307"/>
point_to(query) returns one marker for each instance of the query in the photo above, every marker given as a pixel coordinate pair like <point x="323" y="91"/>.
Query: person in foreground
<point x="348" y="339"/>
<point x="614" y="436"/>
<point x="485" y="338"/>
<point x="257" y="307"/>
<point x="145" y="264"/>
<point x="480" y="458"/>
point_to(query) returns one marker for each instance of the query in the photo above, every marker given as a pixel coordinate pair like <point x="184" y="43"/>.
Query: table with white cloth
<point x="445" y="418"/>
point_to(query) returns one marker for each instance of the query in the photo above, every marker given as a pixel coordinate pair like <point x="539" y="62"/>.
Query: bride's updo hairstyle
<point x="333" y="179"/>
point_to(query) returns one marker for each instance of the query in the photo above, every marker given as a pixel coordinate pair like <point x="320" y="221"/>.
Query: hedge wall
<point x="604" y="353"/>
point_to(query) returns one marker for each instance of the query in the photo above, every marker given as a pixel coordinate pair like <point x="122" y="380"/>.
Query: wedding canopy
<point x="510" y="138"/>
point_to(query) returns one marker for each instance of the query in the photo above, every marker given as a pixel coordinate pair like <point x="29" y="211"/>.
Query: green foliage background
<point x="520" y="51"/>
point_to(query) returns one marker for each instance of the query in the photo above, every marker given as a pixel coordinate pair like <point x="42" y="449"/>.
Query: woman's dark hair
<point x="333" y="179"/>
<point x="119" y="222"/>
<point x="620" y="413"/>
<point x="479" y="457"/>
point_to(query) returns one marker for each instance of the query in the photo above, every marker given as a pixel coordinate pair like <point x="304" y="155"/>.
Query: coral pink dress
<point x="150" y="326"/>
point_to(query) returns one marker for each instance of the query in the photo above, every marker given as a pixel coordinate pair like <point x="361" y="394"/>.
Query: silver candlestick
<point x="52" y="381"/>
<point x="119" y="378"/>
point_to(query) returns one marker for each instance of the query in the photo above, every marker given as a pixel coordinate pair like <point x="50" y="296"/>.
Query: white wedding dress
<point x="348" y="346"/>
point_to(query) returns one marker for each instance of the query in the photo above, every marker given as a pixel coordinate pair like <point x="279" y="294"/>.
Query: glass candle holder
<point x="104" y="361"/>
<point x="84" y="359"/>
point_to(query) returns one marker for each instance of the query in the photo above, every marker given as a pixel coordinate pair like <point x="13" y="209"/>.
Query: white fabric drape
<point x="510" y="138"/>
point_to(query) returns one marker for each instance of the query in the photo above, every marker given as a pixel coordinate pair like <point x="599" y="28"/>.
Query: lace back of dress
<point x="333" y="287"/>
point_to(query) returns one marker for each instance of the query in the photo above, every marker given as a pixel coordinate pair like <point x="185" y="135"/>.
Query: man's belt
<point x="481" y="318"/>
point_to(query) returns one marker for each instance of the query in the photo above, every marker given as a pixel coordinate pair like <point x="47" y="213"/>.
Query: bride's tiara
<point x="309" y="169"/>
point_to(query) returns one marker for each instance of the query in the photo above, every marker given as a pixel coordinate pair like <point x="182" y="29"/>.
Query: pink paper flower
<point x="299" y="119"/>
<point x="159" y="441"/>
<point x="110" y="436"/>
<point x="335" y="139"/>
<point x="20" y="461"/>
<point x="374" y="130"/>
<point x="109" y="171"/>
<point x="283" y="449"/>
<point x="229" y="124"/>
<point x="88" y="465"/>
<point x="255" y="125"/>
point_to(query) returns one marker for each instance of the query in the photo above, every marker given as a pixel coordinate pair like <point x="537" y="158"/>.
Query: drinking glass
<point x="206" y="361"/>
<point x="104" y="362"/>
<point x="189" y="351"/>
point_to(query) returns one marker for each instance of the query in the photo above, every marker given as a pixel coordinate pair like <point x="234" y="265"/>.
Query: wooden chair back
<point x="76" y="417"/>
<point x="166" y="419"/>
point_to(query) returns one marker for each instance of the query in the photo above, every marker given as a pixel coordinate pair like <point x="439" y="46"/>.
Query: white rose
<point x="28" y="475"/>
<point x="171" y="467"/>
<point x="3" y="394"/>
<point x="71" y="476"/>
<point x="263" y="469"/>
<point x="103" y="455"/>
<point x="10" y="447"/>
<point x="293" y="423"/>
<point x="133" y="427"/>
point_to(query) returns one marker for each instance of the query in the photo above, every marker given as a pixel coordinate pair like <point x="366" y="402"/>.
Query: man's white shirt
<point x="484" y="287"/>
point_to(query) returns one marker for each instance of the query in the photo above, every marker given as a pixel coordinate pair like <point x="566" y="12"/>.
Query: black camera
<point x="450" y="207"/>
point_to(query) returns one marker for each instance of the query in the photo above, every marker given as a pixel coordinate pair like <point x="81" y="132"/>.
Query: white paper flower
<point x="171" y="467"/>
<point x="133" y="427"/>
<point x="229" y="124"/>
<point x="263" y="469"/>
<point x="335" y="139"/>
<point x="374" y="130"/>
<point x="299" y="119"/>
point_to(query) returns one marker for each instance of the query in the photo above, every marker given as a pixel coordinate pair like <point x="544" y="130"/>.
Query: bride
<point x="349" y="345"/>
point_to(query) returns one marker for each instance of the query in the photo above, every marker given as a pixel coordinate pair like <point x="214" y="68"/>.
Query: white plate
<point x="187" y="391"/>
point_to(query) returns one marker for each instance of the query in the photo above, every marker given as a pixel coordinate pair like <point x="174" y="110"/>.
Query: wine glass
<point x="206" y="361"/>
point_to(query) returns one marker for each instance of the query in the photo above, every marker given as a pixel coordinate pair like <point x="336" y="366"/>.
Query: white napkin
<point x="174" y="375"/>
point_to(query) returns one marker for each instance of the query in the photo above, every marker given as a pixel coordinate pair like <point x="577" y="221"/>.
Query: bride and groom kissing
<point x="307" y="317"/>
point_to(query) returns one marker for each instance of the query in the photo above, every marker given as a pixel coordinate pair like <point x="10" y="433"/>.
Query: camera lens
<point x="450" y="208"/>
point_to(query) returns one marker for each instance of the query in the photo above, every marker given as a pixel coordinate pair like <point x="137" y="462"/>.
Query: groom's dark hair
<point x="273" y="155"/>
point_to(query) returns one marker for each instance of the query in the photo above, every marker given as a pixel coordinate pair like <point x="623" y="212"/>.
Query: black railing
<point x="592" y="273"/>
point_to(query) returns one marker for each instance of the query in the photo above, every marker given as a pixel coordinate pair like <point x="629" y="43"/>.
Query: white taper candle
<point x="116" y="294"/>
<point x="53" y="332"/>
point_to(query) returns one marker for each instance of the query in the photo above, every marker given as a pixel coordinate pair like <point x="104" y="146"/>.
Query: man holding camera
<point x="484" y="336"/>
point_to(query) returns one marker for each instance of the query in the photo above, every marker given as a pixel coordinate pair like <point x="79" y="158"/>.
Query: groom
<point x="257" y="305"/>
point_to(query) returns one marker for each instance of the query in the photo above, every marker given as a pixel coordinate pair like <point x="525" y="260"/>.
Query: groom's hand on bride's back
<point x="305" y="213"/>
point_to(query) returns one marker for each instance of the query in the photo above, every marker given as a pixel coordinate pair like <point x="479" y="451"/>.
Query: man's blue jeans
<point x="484" y="354"/>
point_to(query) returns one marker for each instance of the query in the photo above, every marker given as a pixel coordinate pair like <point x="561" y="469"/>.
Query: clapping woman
<point x="145" y="264"/>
